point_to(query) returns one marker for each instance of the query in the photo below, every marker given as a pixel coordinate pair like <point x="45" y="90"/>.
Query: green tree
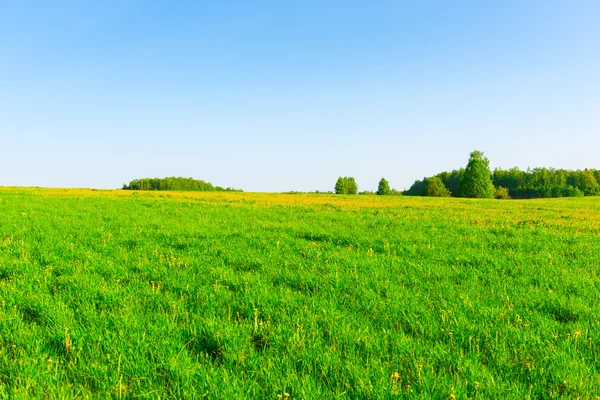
<point x="346" y="185"/>
<point x="587" y="183"/>
<point x="510" y="179"/>
<point x="351" y="186"/>
<point x="597" y="175"/>
<point x="384" y="188"/>
<point x="452" y="180"/>
<point x="340" y="186"/>
<point x="416" y="189"/>
<point x="477" y="178"/>
<point x="434" y="187"/>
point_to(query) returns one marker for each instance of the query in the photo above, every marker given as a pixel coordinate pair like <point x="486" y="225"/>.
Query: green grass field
<point x="184" y="295"/>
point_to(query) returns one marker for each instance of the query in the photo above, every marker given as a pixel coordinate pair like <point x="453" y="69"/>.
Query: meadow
<point x="237" y="295"/>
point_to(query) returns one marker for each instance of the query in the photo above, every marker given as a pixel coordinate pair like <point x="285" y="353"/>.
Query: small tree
<point x="346" y="185"/>
<point x="587" y="183"/>
<point x="384" y="188"/>
<point x="477" y="178"/>
<point x="434" y="187"/>
<point x="340" y="186"/>
<point x="351" y="186"/>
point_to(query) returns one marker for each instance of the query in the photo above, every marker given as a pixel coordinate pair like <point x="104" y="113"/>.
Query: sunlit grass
<point x="234" y="295"/>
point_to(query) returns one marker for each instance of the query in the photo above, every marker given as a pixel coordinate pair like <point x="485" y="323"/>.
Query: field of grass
<point x="238" y="295"/>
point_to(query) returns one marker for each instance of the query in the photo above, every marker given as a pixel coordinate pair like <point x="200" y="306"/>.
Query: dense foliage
<point x="175" y="183"/>
<point x="451" y="181"/>
<point x="476" y="182"/>
<point x="434" y="187"/>
<point x="501" y="193"/>
<point x="185" y="295"/>
<point x="518" y="184"/>
<point x="346" y="185"/>
<point x="547" y="182"/>
<point x="383" y="189"/>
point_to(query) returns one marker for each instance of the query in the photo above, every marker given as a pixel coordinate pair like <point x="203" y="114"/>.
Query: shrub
<point x="571" y="191"/>
<point x="434" y="187"/>
<point x="501" y="193"/>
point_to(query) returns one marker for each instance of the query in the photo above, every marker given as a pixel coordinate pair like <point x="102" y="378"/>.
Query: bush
<point x="571" y="191"/>
<point x="434" y="187"/>
<point x="501" y="193"/>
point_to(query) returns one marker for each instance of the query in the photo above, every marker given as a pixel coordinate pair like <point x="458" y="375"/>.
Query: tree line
<point x="476" y="180"/>
<point x="347" y="185"/>
<point x="175" y="183"/>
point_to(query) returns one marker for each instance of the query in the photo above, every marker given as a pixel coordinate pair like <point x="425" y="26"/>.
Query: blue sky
<point x="278" y="95"/>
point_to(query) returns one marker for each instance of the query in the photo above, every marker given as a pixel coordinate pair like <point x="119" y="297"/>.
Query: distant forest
<point x="515" y="183"/>
<point x="477" y="181"/>
<point x="474" y="181"/>
<point x="175" y="183"/>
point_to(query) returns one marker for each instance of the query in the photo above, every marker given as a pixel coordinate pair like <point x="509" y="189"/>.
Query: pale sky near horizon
<point x="278" y="96"/>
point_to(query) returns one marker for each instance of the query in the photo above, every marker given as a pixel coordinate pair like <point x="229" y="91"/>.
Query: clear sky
<point x="289" y="95"/>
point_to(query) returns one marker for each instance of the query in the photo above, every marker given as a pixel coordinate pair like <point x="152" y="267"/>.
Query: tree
<point x="587" y="183"/>
<point x="416" y="188"/>
<point x="352" y="187"/>
<point x="597" y="175"/>
<point x="384" y="188"/>
<point x="510" y="179"/>
<point x="452" y="180"/>
<point x="434" y="187"/>
<point x="340" y="186"/>
<point x="346" y="185"/>
<point x="477" y="178"/>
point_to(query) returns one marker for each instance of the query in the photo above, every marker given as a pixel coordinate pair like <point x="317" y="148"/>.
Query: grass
<point x="236" y="295"/>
